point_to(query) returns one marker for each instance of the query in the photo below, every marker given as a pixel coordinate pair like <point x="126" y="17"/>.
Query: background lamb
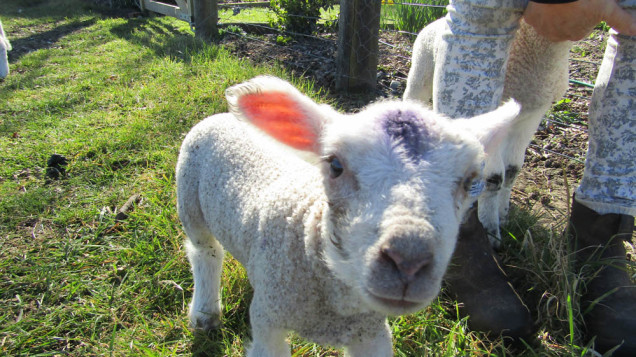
<point x="330" y="250"/>
<point x="536" y="76"/>
<point x="5" y="46"/>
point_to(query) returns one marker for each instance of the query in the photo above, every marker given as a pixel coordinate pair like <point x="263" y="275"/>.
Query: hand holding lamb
<point x="332" y="249"/>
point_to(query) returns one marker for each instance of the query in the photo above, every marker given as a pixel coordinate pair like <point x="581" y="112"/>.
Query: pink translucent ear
<point x="280" y="115"/>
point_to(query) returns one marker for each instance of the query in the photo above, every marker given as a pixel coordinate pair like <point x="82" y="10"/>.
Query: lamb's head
<point x="398" y="180"/>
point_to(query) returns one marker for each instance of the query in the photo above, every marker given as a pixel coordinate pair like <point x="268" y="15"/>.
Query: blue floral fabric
<point x="468" y="80"/>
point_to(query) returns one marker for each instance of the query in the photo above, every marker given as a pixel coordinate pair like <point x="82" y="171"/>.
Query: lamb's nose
<point x="407" y="264"/>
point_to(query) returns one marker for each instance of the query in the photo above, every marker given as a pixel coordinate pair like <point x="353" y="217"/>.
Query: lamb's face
<point x="398" y="183"/>
<point x="398" y="179"/>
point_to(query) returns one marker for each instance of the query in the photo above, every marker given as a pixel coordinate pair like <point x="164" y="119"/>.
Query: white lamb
<point x="332" y="249"/>
<point x="5" y="46"/>
<point x="536" y="76"/>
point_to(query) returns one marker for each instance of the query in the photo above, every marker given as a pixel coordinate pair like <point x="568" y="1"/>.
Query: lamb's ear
<point x="491" y="128"/>
<point x="280" y="110"/>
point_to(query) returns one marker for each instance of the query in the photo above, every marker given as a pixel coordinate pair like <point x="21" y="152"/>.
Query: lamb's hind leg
<point x="206" y="257"/>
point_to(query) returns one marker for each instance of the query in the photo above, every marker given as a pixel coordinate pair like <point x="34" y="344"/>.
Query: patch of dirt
<point x="314" y="57"/>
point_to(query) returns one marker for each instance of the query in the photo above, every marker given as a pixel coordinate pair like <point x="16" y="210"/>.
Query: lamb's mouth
<point x="396" y="304"/>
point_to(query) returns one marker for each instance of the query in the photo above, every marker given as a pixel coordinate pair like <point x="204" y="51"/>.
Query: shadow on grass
<point x="230" y="339"/>
<point x="218" y="342"/>
<point x="165" y="40"/>
<point x="207" y="344"/>
<point x="44" y="40"/>
<point x="34" y="9"/>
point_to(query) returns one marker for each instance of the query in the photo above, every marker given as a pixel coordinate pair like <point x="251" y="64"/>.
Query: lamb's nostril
<point x="409" y="266"/>
<point x="392" y="256"/>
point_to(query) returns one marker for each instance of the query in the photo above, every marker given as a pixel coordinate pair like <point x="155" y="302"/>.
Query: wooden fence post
<point x="358" y="34"/>
<point x="205" y="18"/>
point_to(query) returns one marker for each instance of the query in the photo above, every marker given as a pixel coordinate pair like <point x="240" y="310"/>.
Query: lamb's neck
<point x="336" y="293"/>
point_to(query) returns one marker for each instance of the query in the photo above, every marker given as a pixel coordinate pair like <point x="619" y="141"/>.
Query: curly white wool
<point x="330" y="249"/>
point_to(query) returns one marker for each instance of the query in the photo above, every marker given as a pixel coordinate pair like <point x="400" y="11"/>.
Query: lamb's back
<point x="266" y="207"/>
<point x="232" y="179"/>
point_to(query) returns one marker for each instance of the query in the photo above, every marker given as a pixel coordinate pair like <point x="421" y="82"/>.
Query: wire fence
<point x="386" y="49"/>
<point x="394" y="44"/>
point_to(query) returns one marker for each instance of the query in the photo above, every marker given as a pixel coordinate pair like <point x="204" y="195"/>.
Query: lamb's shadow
<point x="235" y="321"/>
<point x="215" y="343"/>
<point x="44" y="40"/>
<point x="207" y="344"/>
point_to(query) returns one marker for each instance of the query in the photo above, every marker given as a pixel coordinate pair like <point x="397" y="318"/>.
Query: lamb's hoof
<point x="494" y="237"/>
<point x="205" y="321"/>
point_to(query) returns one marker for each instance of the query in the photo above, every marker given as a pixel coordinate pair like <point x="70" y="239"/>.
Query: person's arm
<point x="559" y="21"/>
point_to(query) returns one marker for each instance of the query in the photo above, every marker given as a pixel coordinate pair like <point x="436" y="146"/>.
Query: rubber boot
<point x="475" y="279"/>
<point x="609" y="301"/>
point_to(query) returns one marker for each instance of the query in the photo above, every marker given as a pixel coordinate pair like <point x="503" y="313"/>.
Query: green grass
<point x="115" y="96"/>
<point x="562" y="113"/>
<point x="252" y="15"/>
<point x="265" y="16"/>
<point x="404" y="16"/>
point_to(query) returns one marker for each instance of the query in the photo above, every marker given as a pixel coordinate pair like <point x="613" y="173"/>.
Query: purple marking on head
<point x="409" y="130"/>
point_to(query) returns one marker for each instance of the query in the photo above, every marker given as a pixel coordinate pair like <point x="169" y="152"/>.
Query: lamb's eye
<point x="335" y="167"/>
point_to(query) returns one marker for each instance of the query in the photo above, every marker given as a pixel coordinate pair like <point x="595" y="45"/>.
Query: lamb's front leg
<point x="206" y="257"/>
<point x="489" y="216"/>
<point x="488" y="203"/>
<point x="381" y="345"/>
<point x="267" y="339"/>
<point x="513" y="156"/>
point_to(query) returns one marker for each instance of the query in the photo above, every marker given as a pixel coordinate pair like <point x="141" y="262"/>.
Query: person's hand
<point x="575" y="20"/>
